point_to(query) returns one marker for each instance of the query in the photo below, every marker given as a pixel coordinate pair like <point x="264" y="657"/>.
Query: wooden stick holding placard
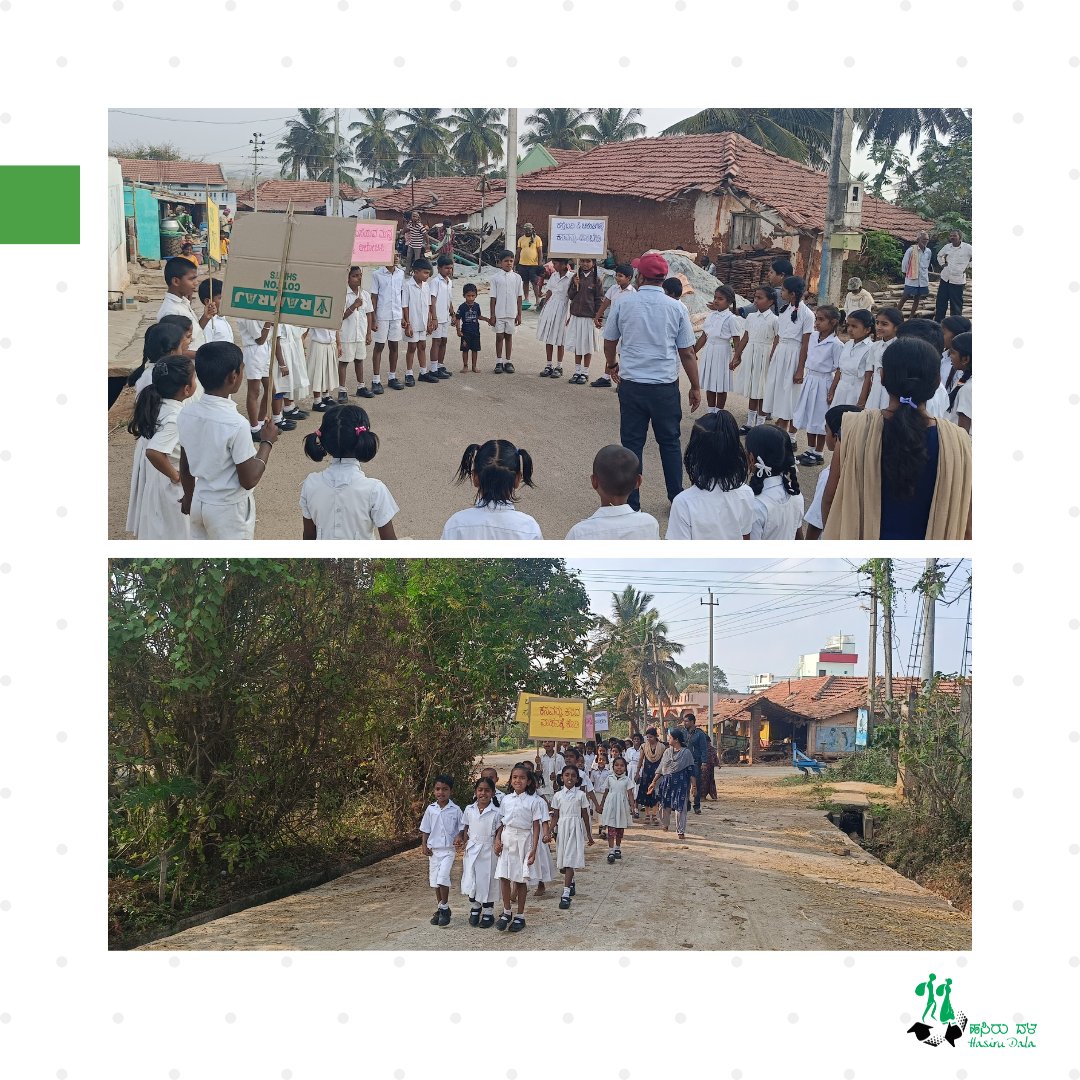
<point x="277" y="312"/>
<point x="209" y="261"/>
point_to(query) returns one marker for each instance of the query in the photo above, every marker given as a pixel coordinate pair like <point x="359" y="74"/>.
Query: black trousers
<point x="951" y="295"/>
<point x="658" y="404"/>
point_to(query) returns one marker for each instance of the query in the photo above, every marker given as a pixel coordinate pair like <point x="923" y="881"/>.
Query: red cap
<point x="651" y="265"/>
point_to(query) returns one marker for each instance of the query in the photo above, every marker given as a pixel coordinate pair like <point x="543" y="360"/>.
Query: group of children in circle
<point x="503" y="835"/>
<point x="793" y="368"/>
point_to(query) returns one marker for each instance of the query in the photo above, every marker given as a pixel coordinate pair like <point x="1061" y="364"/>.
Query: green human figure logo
<point x="927" y="988"/>
<point x="322" y="307"/>
<point x="945" y="1014"/>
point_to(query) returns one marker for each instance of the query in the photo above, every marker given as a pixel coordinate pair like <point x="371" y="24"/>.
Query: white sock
<point x="578" y="369"/>
<point x="258" y="426"/>
<point x="342" y="390"/>
<point x="443" y="904"/>
<point x="434" y="366"/>
<point x="761" y="419"/>
<point x="751" y="418"/>
<point x="566" y="890"/>
<point x="713" y="409"/>
<point x="506" y="913"/>
<point x="423" y="369"/>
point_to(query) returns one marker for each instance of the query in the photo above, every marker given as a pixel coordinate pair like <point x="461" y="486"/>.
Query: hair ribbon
<point x="908" y="401"/>
<point x="762" y="469"/>
<point x="361" y="430"/>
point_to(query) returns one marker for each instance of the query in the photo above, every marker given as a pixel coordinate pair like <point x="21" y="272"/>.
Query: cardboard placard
<point x="556" y="718"/>
<point x="600" y="720"/>
<point x="374" y="243"/>
<point x="577" y="237"/>
<point x="316" y="275"/>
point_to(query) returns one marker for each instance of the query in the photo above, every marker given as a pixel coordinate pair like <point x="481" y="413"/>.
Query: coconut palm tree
<point x="479" y="138"/>
<point x="803" y="135"/>
<point x="915" y="125"/>
<point x="423" y="139"/>
<point x="308" y="144"/>
<point x="375" y="145"/>
<point x="563" y="129"/>
<point x="613" y="125"/>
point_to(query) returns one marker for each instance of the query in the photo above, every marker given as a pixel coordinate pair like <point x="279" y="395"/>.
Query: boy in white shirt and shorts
<point x="507" y="293"/>
<point x="355" y="335"/>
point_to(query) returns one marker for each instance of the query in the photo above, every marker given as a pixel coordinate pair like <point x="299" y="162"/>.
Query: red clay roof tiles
<point x="456" y="196"/>
<point x="143" y="171"/>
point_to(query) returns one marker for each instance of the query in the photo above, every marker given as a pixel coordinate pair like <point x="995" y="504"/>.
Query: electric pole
<point x="257" y="144"/>
<point x="871" y="656"/>
<point x="335" y="183"/>
<point x="887" y="627"/>
<point x="510" y="229"/>
<point x="832" y="263"/>
<point x="711" y="603"/>
<point x="930" y="595"/>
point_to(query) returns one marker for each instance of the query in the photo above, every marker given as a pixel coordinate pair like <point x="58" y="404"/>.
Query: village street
<point x="759" y="869"/>
<point x="423" y="431"/>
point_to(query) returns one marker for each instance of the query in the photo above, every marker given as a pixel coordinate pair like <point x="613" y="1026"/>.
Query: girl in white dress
<point x="515" y="845"/>
<point x="778" y="507"/>
<point x="323" y="350"/>
<point x="497" y="469"/>
<point x="717" y="505"/>
<point x="570" y="813"/>
<point x="616" y="807"/>
<point x="340" y="502"/>
<point x="721" y="325"/>
<point x="960" y="382"/>
<point x="599" y="774"/>
<point x="752" y="354"/>
<point x="855" y="375"/>
<point x="822" y="362"/>
<point x="788" y="354"/>
<point x="477" y="840"/>
<point x="886" y="322"/>
<point x="295" y="386"/>
<point x="551" y="325"/>
<point x="154" y="509"/>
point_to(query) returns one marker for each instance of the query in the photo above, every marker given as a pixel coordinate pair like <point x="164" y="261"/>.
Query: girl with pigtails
<point x="778" y="509"/>
<point x="497" y="469"/>
<point x="340" y="502"/>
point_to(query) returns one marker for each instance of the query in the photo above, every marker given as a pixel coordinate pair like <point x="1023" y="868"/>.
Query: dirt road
<point x="423" y="431"/>
<point x="759" y="869"/>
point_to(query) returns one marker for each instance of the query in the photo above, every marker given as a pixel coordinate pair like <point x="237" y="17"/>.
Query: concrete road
<point x="759" y="869"/>
<point x="424" y="430"/>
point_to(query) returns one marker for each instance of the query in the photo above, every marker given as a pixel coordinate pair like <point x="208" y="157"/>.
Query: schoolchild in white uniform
<point x="718" y="505"/>
<point x="386" y="285"/>
<point x="886" y="322"/>
<point x="477" y="840"/>
<point x="439" y="831"/>
<point x="441" y="288"/>
<point x="714" y="344"/>
<point x="417" y="320"/>
<point x="154" y="509"/>
<point x="616" y="807"/>
<point x="632" y="755"/>
<point x="323" y="350"/>
<point x="599" y="774"/>
<point x="570" y="813"/>
<point x="814" y="518"/>
<point x="624" y="283"/>
<point x="507" y="292"/>
<point x="355" y="335"/>
<point x="219" y="465"/>
<point x="794" y="328"/>
<point x="551" y="324"/>
<point x="516" y="840"/>
<point x="753" y="351"/>
<point x="616" y="475"/>
<point x="180" y="280"/>
<point x="217" y="327"/>
<point x="816" y="376"/>
<point x="542" y="869"/>
<point x="497" y="469"/>
<point x="959" y="411"/>
<point x="293" y="381"/>
<point x="855" y="374"/>
<point x="775" y="483"/>
<point x="951" y="325"/>
<point x="255" y="341"/>
<point x="938" y="405"/>
<point x="340" y="502"/>
<point x="549" y="766"/>
<point x="586" y="295"/>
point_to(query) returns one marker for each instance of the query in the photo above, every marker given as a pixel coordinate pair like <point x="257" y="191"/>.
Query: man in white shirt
<point x="507" y="293"/>
<point x="386" y="285"/>
<point x="616" y="474"/>
<point x="954" y="259"/>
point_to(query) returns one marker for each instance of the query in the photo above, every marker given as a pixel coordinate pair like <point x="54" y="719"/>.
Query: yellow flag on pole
<point x="213" y="230"/>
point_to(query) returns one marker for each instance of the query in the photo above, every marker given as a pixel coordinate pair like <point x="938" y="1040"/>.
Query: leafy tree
<point x="939" y="187"/>
<point x="562" y="129"/>
<point x="478" y="138"/>
<point x="151" y="151"/>
<point x="698" y="675"/>
<point x="613" y="125"/>
<point x="308" y="150"/>
<point x="804" y="135"/>
<point x="893" y="126"/>
<point x="375" y="146"/>
<point x="424" y="138"/>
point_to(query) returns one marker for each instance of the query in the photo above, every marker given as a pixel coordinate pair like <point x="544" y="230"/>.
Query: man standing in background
<point x="530" y="253"/>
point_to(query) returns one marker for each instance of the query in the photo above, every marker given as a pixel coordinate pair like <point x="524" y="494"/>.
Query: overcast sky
<point x="771" y="611"/>
<point x="222" y="135"/>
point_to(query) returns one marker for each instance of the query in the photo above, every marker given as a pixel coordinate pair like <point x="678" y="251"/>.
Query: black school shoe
<point x="395" y="384"/>
<point x="376" y="389"/>
<point x="343" y="397"/>
<point x="508" y="368"/>
<point x="499" y="369"/>
<point x="611" y="856"/>
<point x="602" y="381"/>
<point x="503" y="922"/>
<point x="444" y="916"/>
<point x="564" y="902"/>
<point x="617" y="853"/>
<point x="474" y="917"/>
<point x="426" y="376"/>
<point x="295" y="414"/>
<point x="573" y="888"/>
<point x="322" y="405"/>
<point x="442" y="373"/>
<point x="284" y="423"/>
<point x="487" y="921"/>
<point x="409" y="380"/>
<point x="546" y="373"/>
<point x="434" y="920"/>
<point x="518" y="924"/>
<point x="364" y="392"/>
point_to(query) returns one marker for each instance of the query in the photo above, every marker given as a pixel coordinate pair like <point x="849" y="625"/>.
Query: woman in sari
<point x="672" y="781"/>
<point x="708" y="773"/>
<point x="648" y="763"/>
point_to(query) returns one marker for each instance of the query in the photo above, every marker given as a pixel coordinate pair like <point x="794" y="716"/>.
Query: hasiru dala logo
<point x="940" y="1021"/>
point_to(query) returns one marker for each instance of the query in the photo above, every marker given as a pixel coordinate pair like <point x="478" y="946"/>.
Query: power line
<point x="182" y="120"/>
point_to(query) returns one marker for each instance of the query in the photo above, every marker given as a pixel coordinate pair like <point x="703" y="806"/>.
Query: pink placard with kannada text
<point x="374" y="243"/>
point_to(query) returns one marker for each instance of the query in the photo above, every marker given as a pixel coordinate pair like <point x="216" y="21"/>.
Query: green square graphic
<point x="39" y="204"/>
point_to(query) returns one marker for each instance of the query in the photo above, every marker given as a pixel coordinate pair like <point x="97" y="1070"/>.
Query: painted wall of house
<point x="147" y="224"/>
<point x="834" y="736"/>
<point x="118" y="266"/>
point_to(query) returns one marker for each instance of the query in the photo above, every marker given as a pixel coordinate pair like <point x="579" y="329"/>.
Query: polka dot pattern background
<point x="314" y="1016"/>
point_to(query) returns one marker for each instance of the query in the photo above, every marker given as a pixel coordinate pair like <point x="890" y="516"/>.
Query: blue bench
<point x="804" y="763"/>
